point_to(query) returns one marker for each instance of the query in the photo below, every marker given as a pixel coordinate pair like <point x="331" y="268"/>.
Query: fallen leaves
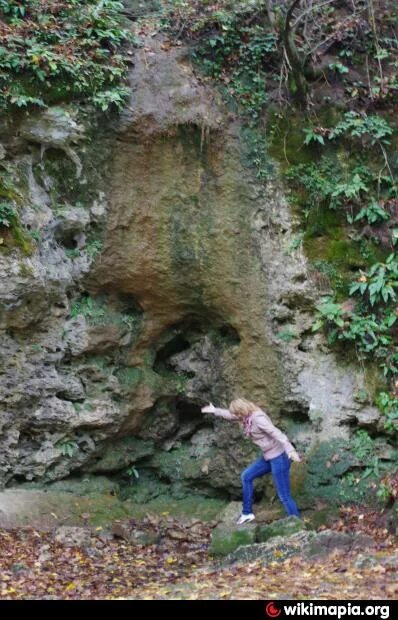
<point x="35" y="566"/>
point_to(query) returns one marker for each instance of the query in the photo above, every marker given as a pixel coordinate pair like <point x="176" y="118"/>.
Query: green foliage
<point x="65" y="50"/>
<point x="86" y="306"/>
<point x="339" y="67"/>
<point x="312" y="134"/>
<point x="295" y="243"/>
<point x="384" y="493"/>
<point x="373" y="213"/>
<point x="132" y="474"/>
<point x="35" y="235"/>
<point x="350" y="189"/>
<point x="355" y="125"/>
<point x="368" y="330"/>
<point x="37" y="348"/>
<point x="72" y="252"/>
<point x="98" y="312"/>
<point x="8" y="215"/>
<point x="240" y="56"/>
<point x="335" y="184"/>
<point x="287" y="335"/>
<point x="332" y="274"/>
<point x="379" y="284"/>
<point x="362" y="446"/>
<point x="329" y="184"/>
<point x="357" y="484"/>
<point x="388" y="405"/>
<point x="94" y="247"/>
<point x="115" y="96"/>
<point x="12" y="232"/>
<point x="369" y="324"/>
<point x="314" y="183"/>
<point x="68" y="447"/>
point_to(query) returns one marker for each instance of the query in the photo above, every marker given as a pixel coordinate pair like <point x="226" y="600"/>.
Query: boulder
<point x="228" y="536"/>
<point x="121" y="453"/>
<point x="281" y="527"/>
<point x="276" y="549"/>
<point x="306" y="542"/>
<point x="329" y="540"/>
<point x="132" y="534"/>
<point x="71" y="536"/>
<point x="53" y="127"/>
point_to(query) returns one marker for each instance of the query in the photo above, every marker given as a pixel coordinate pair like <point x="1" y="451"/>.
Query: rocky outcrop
<point x="309" y="544"/>
<point x="162" y="274"/>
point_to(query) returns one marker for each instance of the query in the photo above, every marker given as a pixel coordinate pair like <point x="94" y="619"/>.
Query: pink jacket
<point x="262" y="432"/>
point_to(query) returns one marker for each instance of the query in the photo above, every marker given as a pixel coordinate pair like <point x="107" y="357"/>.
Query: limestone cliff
<point x="162" y="274"/>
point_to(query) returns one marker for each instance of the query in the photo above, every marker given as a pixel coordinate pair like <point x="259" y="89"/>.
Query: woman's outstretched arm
<point x="221" y="413"/>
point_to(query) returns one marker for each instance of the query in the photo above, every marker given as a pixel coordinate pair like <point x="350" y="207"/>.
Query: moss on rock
<point x="224" y="540"/>
<point x="281" y="527"/>
<point x="123" y="452"/>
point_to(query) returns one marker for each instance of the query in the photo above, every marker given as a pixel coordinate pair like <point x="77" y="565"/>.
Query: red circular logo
<point x="271" y="610"/>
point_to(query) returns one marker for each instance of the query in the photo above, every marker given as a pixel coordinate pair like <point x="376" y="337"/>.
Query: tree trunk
<point x="298" y="85"/>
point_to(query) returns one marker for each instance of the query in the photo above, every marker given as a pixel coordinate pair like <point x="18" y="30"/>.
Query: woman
<point x="278" y="453"/>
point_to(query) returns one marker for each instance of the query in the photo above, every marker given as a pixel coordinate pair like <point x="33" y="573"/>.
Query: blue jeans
<point x="280" y="467"/>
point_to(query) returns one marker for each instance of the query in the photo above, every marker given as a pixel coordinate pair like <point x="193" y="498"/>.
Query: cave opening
<point x="189" y="410"/>
<point x="176" y="345"/>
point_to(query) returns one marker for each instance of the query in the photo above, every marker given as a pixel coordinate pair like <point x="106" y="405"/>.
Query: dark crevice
<point x="68" y="241"/>
<point x="188" y="410"/>
<point x="297" y="412"/>
<point x="229" y="335"/>
<point x="176" y="345"/>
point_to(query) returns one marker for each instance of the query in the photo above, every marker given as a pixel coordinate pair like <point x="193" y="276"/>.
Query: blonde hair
<point x="242" y="407"/>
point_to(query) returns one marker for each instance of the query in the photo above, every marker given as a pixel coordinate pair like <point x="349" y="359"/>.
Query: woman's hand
<point x="208" y="409"/>
<point x="294" y="456"/>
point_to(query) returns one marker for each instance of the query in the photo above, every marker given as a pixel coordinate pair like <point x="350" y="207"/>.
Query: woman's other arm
<point x="266" y="425"/>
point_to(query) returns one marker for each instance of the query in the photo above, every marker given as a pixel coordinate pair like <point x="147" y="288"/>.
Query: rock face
<point x="161" y="276"/>
<point x="228" y="536"/>
<point x="310" y="544"/>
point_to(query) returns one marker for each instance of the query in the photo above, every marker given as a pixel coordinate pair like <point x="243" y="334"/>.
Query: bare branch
<point x="309" y="10"/>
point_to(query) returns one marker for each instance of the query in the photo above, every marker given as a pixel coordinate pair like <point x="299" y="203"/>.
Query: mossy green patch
<point x="321" y="516"/>
<point x="285" y="132"/>
<point x="281" y="527"/>
<point x="143" y="489"/>
<point x="325" y="466"/>
<point x="120" y="453"/>
<point x="224" y="541"/>
<point x="193" y="506"/>
<point x="179" y="464"/>
<point x="84" y="485"/>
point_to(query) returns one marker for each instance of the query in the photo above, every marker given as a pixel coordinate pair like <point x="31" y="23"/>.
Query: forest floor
<point x="177" y="566"/>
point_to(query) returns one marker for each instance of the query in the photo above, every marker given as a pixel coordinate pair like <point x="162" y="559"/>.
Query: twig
<point x="383" y="150"/>
<point x="378" y="48"/>
<point x="368" y="76"/>
<point x="309" y="10"/>
<point x="284" y="149"/>
<point x="333" y="34"/>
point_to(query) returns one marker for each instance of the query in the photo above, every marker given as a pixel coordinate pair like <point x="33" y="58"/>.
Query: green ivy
<point x="244" y="52"/>
<point x="71" y="49"/>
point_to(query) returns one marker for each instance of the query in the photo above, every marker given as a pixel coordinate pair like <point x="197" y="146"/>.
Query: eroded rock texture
<point x="163" y="275"/>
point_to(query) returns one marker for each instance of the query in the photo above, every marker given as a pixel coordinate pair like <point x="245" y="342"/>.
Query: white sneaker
<point x="245" y="518"/>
